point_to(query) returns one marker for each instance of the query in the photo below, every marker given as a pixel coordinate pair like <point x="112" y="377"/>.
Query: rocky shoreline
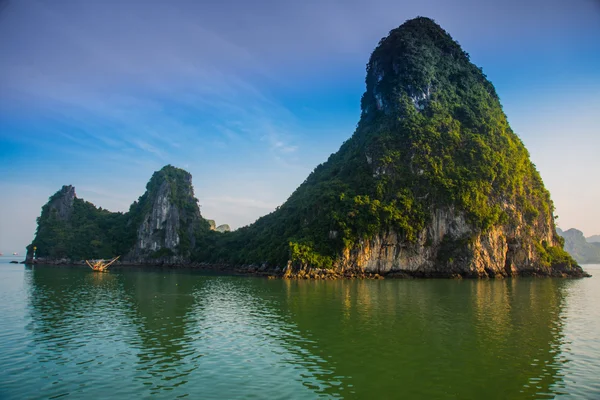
<point x="308" y="273"/>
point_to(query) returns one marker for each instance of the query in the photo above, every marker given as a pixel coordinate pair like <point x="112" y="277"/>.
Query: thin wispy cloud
<point x="130" y="85"/>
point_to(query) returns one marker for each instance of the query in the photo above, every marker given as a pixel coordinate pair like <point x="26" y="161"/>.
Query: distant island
<point x="593" y="239"/>
<point x="585" y="251"/>
<point x="433" y="183"/>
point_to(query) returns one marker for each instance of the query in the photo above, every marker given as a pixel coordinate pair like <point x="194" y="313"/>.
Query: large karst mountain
<point x="432" y="183"/>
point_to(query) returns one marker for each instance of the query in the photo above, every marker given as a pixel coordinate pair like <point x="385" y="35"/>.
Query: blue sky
<point x="250" y="96"/>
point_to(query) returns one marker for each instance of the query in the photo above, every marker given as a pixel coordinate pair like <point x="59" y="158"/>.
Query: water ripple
<point x="72" y="333"/>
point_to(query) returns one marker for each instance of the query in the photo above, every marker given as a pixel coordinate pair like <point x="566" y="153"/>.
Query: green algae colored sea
<point x="133" y="333"/>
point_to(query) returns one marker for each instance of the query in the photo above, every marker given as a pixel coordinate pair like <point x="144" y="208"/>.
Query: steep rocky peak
<point x="169" y="215"/>
<point x="409" y="65"/>
<point x="62" y="202"/>
<point x="170" y="186"/>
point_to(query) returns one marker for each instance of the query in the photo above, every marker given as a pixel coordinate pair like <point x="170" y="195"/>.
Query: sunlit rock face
<point x="161" y="225"/>
<point x="170" y="218"/>
<point x="450" y="246"/>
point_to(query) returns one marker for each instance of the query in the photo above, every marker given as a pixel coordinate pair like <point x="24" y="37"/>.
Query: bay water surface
<point x="140" y="333"/>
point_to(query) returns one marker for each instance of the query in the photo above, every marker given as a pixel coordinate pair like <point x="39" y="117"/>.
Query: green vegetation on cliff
<point x="73" y="228"/>
<point x="178" y="186"/>
<point x="78" y="229"/>
<point x="432" y="134"/>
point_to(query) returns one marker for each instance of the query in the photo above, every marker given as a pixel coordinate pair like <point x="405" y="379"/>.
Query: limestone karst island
<point x="392" y="239"/>
<point x="433" y="183"/>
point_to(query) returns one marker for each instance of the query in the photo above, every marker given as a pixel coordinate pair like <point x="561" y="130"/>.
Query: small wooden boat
<point x="101" y="265"/>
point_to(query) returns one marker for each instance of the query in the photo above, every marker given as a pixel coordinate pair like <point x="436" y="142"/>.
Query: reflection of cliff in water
<point x="212" y="335"/>
<point x="519" y="326"/>
<point x="159" y="306"/>
<point x="111" y="320"/>
<point x="171" y="333"/>
<point x="196" y="325"/>
<point x="64" y="304"/>
<point x="75" y="325"/>
<point x="438" y="339"/>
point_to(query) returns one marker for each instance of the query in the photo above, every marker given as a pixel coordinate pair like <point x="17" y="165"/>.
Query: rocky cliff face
<point x="54" y="225"/>
<point x="160" y="228"/>
<point x="168" y="218"/>
<point x="62" y="202"/>
<point x="450" y="246"/>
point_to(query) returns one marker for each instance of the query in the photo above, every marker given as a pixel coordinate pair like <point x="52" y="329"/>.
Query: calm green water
<point x="137" y="334"/>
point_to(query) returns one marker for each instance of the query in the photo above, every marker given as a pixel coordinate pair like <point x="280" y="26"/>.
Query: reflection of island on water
<point x="165" y="331"/>
<point x="221" y="330"/>
<point x="438" y="338"/>
<point x="160" y="307"/>
<point x="117" y="318"/>
<point x="72" y="326"/>
<point x="221" y="335"/>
